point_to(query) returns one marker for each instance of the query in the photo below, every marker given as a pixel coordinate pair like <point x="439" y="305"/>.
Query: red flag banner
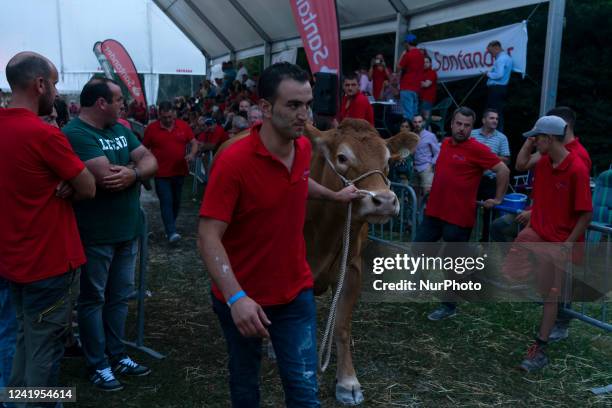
<point x="318" y="26"/>
<point x="124" y="68"/>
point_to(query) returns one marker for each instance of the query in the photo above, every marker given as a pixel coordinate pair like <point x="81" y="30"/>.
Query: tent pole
<point x="552" y="56"/>
<point x="400" y="33"/>
<point x="59" y="33"/>
<point x="267" y="57"/>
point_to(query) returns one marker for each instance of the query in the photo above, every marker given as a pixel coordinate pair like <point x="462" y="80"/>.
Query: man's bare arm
<point x="84" y="185"/>
<point x="249" y="317"/>
<point x="317" y="191"/>
<point x="502" y="175"/>
<point x="579" y="229"/>
<point x="526" y="160"/>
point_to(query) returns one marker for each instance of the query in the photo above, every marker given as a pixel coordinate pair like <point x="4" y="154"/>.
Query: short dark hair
<point x="351" y="76"/>
<point x="63" y="116"/>
<point x="272" y="76"/>
<point x="566" y="113"/>
<point x="165" y="106"/>
<point x="489" y="110"/>
<point x="494" y="43"/>
<point x="465" y="111"/>
<point x="21" y="71"/>
<point x="96" y="88"/>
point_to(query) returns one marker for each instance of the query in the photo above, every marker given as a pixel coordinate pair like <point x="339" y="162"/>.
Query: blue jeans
<point x="410" y="103"/>
<point x="107" y="281"/>
<point x="43" y="311"/>
<point x="426" y="107"/>
<point x="169" y="193"/>
<point x="294" y="336"/>
<point x="8" y="332"/>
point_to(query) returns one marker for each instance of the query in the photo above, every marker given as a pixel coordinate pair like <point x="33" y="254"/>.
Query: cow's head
<point x="354" y="149"/>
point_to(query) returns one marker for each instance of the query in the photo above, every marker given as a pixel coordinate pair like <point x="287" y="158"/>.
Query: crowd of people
<point x="78" y="196"/>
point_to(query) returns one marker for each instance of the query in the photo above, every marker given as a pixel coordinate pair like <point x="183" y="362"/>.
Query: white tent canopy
<point x="238" y="29"/>
<point x="245" y="27"/>
<point x="66" y="30"/>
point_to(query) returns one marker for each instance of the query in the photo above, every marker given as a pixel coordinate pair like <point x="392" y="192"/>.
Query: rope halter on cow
<point x="349" y="182"/>
<point x="326" y="343"/>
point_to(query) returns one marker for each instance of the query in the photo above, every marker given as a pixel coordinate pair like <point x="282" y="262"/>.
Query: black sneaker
<point x="127" y="366"/>
<point x="105" y="380"/>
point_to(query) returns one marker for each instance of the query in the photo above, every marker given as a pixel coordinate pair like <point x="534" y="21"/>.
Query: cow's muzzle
<point x="379" y="207"/>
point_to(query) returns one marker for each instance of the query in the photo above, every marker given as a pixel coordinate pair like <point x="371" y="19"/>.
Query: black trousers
<point x="496" y="99"/>
<point x="486" y="190"/>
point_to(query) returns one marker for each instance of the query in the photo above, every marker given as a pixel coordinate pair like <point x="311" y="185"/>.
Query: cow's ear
<point x="403" y="144"/>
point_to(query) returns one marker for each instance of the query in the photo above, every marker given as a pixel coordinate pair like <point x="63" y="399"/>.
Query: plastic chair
<point x="438" y="116"/>
<point x="602" y="204"/>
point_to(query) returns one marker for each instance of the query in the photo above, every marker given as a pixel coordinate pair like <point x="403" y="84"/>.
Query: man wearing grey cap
<point x="526" y="160"/>
<point x="561" y="212"/>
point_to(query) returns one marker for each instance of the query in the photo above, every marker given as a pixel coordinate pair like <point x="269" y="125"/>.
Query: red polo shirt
<point x="358" y="108"/>
<point x="412" y="64"/>
<point x="578" y="148"/>
<point x="39" y="236"/>
<point x="169" y="147"/>
<point x="379" y="76"/>
<point x="429" y="94"/>
<point x="217" y="136"/>
<point x="560" y="196"/>
<point x="265" y="206"/>
<point x="458" y="172"/>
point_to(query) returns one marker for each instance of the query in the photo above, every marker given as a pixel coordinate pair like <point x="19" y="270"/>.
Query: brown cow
<point x="354" y="148"/>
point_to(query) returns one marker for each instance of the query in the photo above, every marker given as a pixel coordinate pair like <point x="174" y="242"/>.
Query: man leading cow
<point x="251" y="239"/>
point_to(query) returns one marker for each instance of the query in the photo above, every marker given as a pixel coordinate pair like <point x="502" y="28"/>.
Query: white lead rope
<point x="326" y="343"/>
<point x="328" y="335"/>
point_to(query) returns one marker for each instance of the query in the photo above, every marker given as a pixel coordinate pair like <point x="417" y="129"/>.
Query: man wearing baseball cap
<point x="411" y="66"/>
<point x="561" y="212"/>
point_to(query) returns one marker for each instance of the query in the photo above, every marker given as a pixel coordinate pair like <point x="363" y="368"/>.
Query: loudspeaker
<point x="325" y="98"/>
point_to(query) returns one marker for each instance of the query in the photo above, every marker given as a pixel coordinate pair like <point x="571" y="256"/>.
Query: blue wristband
<point x="235" y="298"/>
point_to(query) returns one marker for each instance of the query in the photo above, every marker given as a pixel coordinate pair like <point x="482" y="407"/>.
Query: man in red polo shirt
<point x="429" y="87"/>
<point x="354" y="103"/>
<point x="40" y="249"/>
<point x="561" y="212"/>
<point x="168" y="138"/>
<point x="451" y="208"/>
<point x="251" y="240"/>
<point x="527" y="160"/>
<point x="411" y="65"/>
<point x="212" y="135"/>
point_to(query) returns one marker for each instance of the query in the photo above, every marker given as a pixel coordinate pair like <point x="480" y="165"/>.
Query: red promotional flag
<point x="124" y="68"/>
<point x="318" y="26"/>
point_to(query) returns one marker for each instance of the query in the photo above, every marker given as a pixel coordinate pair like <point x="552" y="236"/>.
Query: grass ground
<point x="402" y="359"/>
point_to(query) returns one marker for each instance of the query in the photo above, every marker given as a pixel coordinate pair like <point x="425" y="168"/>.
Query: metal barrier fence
<point x="401" y="228"/>
<point x="143" y="260"/>
<point x="586" y="311"/>
<point x="199" y="169"/>
<point x="594" y="313"/>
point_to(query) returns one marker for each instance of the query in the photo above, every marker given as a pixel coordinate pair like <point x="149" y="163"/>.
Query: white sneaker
<point x="174" y="238"/>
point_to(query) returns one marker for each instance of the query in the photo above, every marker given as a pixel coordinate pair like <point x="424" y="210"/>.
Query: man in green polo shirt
<point x="109" y="226"/>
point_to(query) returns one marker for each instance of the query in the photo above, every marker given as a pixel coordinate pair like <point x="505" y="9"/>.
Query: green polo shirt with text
<point x="110" y="217"/>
